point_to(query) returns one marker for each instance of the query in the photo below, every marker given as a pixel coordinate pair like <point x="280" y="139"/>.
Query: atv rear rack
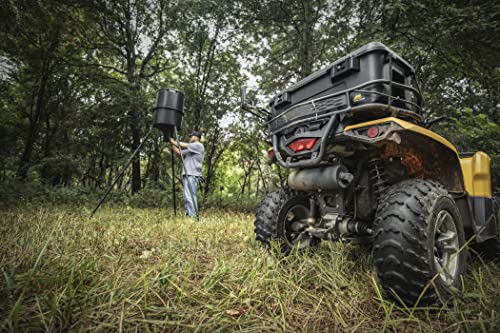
<point x="322" y="107"/>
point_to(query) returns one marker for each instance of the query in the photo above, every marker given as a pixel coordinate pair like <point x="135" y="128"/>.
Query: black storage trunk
<point x="369" y="76"/>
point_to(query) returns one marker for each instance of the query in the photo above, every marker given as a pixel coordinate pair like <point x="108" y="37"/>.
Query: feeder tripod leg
<point x="185" y="172"/>
<point x="173" y="183"/>
<point x="122" y="171"/>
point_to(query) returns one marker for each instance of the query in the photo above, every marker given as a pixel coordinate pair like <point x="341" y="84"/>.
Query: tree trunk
<point x="257" y="187"/>
<point x="249" y="182"/>
<point x="245" y="180"/>
<point x="306" y="48"/>
<point x="133" y="115"/>
<point x="25" y="160"/>
<point x="261" y="175"/>
<point x="136" y="140"/>
<point x="212" y="159"/>
<point x="102" y="172"/>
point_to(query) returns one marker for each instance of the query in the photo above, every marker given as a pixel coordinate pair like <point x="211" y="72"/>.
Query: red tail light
<point x="302" y="144"/>
<point x="372" y="132"/>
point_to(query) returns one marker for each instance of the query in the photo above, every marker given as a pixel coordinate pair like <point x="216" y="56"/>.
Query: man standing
<point x="193" y="154"/>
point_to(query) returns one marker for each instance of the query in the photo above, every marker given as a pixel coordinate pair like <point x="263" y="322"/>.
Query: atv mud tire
<point x="280" y="220"/>
<point x="418" y="244"/>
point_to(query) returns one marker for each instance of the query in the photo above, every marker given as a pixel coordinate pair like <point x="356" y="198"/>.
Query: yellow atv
<point x="366" y="169"/>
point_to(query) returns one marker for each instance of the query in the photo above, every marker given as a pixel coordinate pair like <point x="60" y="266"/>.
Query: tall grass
<point x="141" y="270"/>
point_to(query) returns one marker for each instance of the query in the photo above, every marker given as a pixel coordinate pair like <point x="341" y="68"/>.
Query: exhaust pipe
<point x="331" y="178"/>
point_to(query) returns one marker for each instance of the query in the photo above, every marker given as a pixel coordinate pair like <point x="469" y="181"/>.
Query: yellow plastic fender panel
<point x="476" y="172"/>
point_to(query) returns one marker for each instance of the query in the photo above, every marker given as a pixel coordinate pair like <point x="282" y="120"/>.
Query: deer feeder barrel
<point x="169" y="109"/>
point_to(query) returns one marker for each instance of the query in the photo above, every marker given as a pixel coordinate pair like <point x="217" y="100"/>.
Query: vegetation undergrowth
<point x="142" y="269"/>
<point x="18" y="194"/>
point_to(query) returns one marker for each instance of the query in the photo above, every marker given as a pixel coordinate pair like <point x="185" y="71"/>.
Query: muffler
<point x="331" y="178"/>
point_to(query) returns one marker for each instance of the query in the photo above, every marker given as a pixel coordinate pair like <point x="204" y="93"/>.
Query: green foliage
<point x="77" y="81"/>
<point x="292" y="39"/>
<point x="34" y="194"/>
<point x="15" y="194"/>
<point x="470" y="132"/>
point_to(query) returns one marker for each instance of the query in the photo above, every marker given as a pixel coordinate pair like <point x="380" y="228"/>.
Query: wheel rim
<point x="446" y="246"/>
<point x="295" y="224"/>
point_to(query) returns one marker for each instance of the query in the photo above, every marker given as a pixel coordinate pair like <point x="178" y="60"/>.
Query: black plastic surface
<point x="169" y="109"/>
<point x="374" y="61"/>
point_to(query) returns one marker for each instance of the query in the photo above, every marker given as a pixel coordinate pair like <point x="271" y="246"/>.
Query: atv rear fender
<point x="425" y="154"/>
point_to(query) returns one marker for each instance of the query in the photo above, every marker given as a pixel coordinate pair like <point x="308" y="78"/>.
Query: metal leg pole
<point x="185" y="172"/>
<point x="173" y="183"/>
<point x="122" y="171"/>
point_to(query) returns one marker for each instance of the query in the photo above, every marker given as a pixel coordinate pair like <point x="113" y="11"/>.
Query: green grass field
<point x="137" y="270"/>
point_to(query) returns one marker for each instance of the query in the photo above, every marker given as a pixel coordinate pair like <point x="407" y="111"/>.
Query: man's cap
<point x="195" y="133"/>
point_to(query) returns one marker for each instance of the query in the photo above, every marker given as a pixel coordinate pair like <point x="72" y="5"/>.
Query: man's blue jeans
<point x="190" y="200"/>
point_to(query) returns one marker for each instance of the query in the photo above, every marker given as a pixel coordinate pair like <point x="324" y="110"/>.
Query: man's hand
<point x="175" y="149"/>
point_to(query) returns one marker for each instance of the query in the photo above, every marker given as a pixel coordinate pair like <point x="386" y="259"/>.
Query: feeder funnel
<point x="168" y="110"/>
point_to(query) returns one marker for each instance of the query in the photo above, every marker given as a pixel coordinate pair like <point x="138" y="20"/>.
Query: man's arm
<point x="177" y="144"/>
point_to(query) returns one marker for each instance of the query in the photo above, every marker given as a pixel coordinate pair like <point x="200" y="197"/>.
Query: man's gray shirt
<point x="193" y="158"/>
